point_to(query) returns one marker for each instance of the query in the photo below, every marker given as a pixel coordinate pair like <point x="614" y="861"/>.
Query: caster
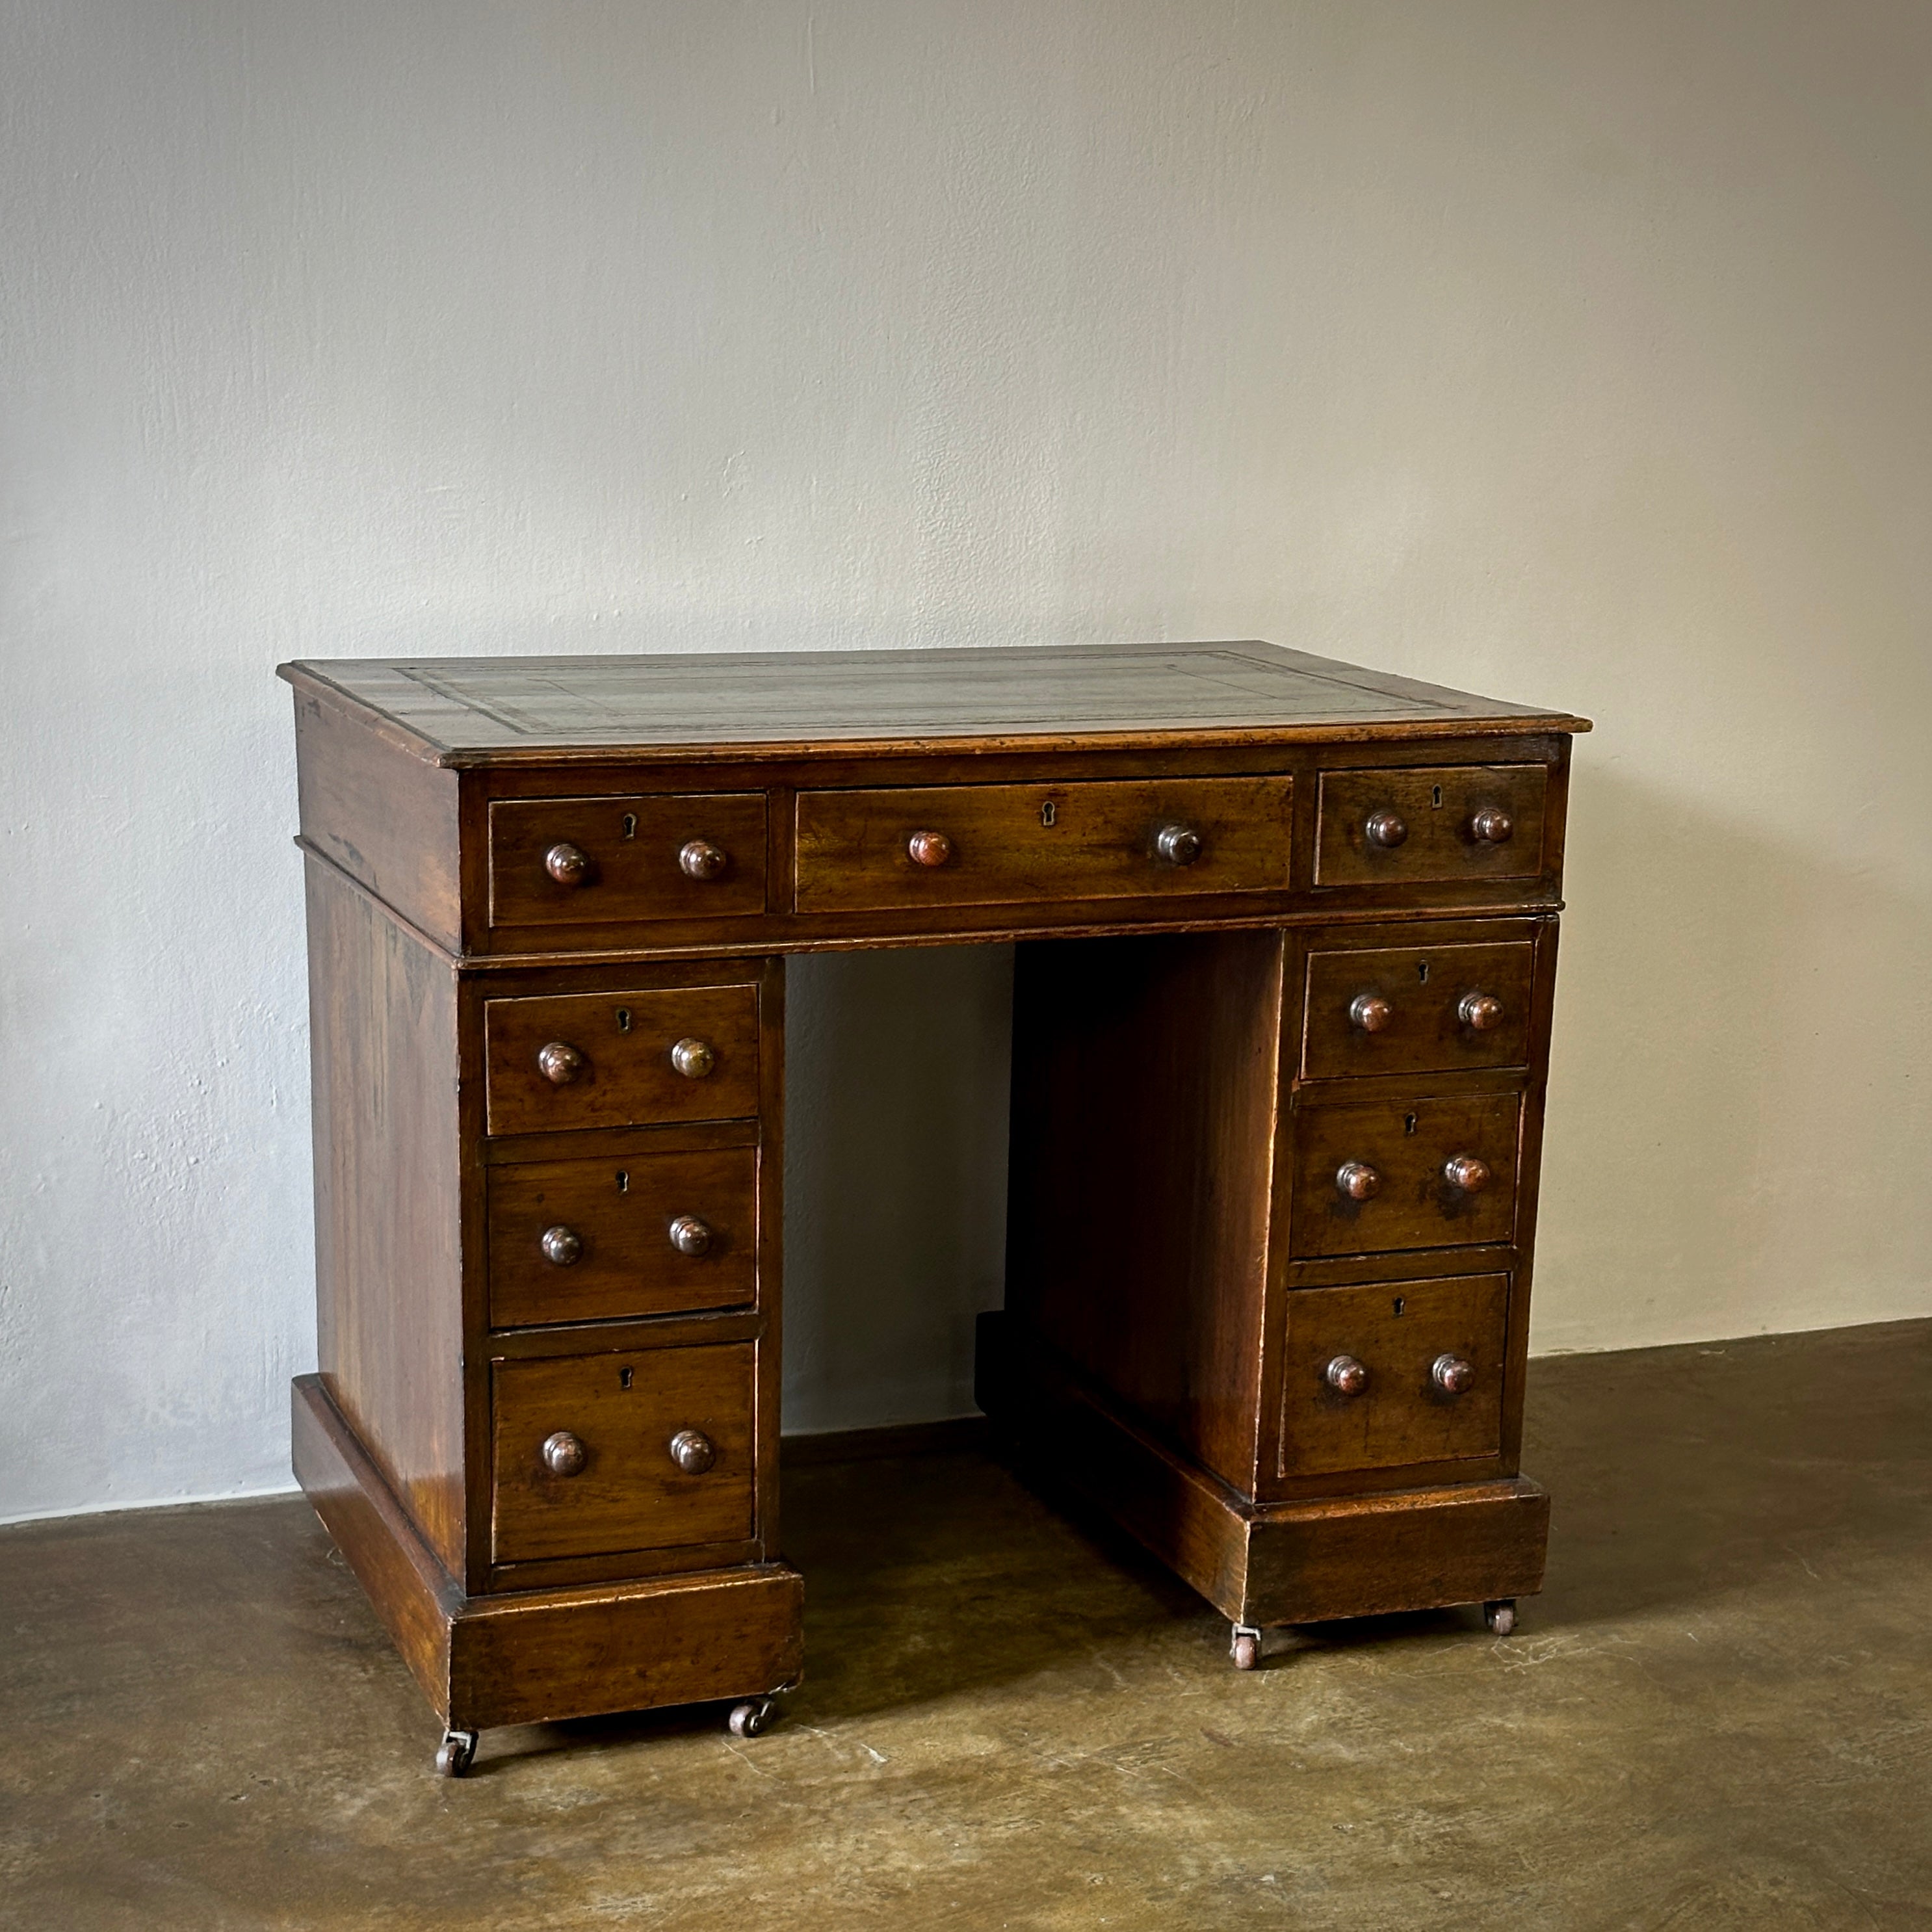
<point x="1246" y="1647"/>
<point x="453" y="1756"/>
<point x="747" y="1719"/>
<point x="1500" y="1615"/>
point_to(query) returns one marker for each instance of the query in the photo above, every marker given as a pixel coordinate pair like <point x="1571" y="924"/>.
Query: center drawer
<point x="628" y="1235"/>
<point x="622" y="1059"/>
<point x="951" y="845"/>
<point x="646" y="1451"/>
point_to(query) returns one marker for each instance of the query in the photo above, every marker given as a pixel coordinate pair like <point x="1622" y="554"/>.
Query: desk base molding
<point x="529" y="1657"/>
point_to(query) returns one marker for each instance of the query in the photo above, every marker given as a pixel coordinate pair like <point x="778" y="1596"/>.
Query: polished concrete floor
<point x="1718" y="1715"/>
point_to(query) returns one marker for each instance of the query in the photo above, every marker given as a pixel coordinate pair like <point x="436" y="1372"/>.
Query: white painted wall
<point x="1570" y="350"/>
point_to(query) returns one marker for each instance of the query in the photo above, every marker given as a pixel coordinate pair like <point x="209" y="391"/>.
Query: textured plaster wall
<point x="1574" y="351"/>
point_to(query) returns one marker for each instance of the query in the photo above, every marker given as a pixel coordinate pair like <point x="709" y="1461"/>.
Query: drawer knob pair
<point x="570" y="865"/>
<point x="1452" y="1374"/>
<point x="563" y="1247"/>
<point x="1463" y="1172"/>
<point x="565" y="1454"/>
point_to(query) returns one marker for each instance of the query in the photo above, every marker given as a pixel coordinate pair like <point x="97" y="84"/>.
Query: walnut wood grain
<point x="625" y="1040"/>
<point x="1397" y="1330"/>
<point x="629" y="1492"/>
<point x="1417" y="992"/>
<point x="624" y="1210"/>
<point x="860" y="851"/>
<point x="645" y="857"/>
<point x="1415" y="1204"/>
<point x="1437" y="808"/>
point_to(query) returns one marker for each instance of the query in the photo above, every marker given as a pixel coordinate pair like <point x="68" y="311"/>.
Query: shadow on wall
<point x="1741" y="1085"/>
<point x="897" y="1068"/>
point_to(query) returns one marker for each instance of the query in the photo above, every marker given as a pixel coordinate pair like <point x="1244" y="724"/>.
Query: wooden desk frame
<point x="1191" y="1065"/>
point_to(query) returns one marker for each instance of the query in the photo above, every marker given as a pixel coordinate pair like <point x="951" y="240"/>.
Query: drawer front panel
<point x="582" y="861"/>
<point x="1427" y="825"/>
<point x="1376" y="1179"/>
<point x="623" y="1412"/>
<point x="615" y="1054"/>
<point x="611" y="1239"/>
<point x="1363" y="1390"/>
<point x="1023" y="845"/>
<point x="1415" y="1009"/>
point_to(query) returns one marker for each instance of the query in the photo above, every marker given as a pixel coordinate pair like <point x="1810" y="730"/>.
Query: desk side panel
<point x="388" y="819"/>
<point x="1145" y="1084"/>
<point x="389" y="1290"/>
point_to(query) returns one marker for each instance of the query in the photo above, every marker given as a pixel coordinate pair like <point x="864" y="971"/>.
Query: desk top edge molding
<point x="506" y="712"/>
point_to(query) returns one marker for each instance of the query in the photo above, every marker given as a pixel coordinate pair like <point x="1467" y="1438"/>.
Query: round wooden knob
<point x="1492" y="826"/>
<point x="1345" y="1376"/>
<point x="1178" y="844"/>
<point x="1451" y="1374"/>
<point x="1358" y="1180"/>
<point x="929" y="848"/>
<point x="694" y="1058"/>
<point x="699" y="859"/>
<point x="693" y="1451"/>
<point x="564" y="1454"/>
<point x="689" y="1235"/>
<point x="563" y="1247"/>
<point x="1480" y="1012"/>
<point x="568" y="865"/>
<point x="560" y="1062"/>
<point x="1385" y="828"/>
<point x="1370" y="1012"/>
<point x="1464" y="1172"/>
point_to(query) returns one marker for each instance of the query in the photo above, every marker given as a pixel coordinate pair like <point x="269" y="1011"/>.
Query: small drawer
<point x="1415" y="1009"/>
<point x="598" y="1453"/>
<point x="611" y="1240"/>
<point x="953" y="845"/>
<point x="590" y="861"/>
<point x="1444" y="822"/>
<point x="1394" y="1373"/>
<point x="1377" y="1178"/>
<point x="615" y="1060"/>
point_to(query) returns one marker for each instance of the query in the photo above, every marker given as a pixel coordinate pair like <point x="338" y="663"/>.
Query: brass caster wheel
<point x="1500" y="1615"/>
<point x="455" y="1755"/>
<point x="747" y="1719"/>
<point x="1246" y="1648"/>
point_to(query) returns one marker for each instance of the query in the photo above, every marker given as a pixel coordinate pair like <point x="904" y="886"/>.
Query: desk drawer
<point x="951" y="845"/>
<point x="630" y="1235"/>
<point x="1429" y="825"/>
<point x="1393" y="1174"/>
<point x="614" y="1425"/>
<point x="583" y="861"/>
<point x="1394" y="1373"/>
<point x="1415" y="1009"/>
<point x="622" y="1059"/>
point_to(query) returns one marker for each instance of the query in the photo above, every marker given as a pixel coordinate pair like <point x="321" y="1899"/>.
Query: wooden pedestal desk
<point x="1286" y="946"/>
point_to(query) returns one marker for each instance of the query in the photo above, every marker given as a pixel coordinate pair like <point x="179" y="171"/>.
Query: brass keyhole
<point x="623" y="1182"/>
<point x="631" y="823"/>
<point x="1399" y="1304"/>
<point x="623" y="1019"/>
<point x="624" y="1378"/>
<point x="1436" y="796"/>
<point x="1049" y="812"/>
<point x="1409" y="1123"/>
<point x="1422" y="971"/>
